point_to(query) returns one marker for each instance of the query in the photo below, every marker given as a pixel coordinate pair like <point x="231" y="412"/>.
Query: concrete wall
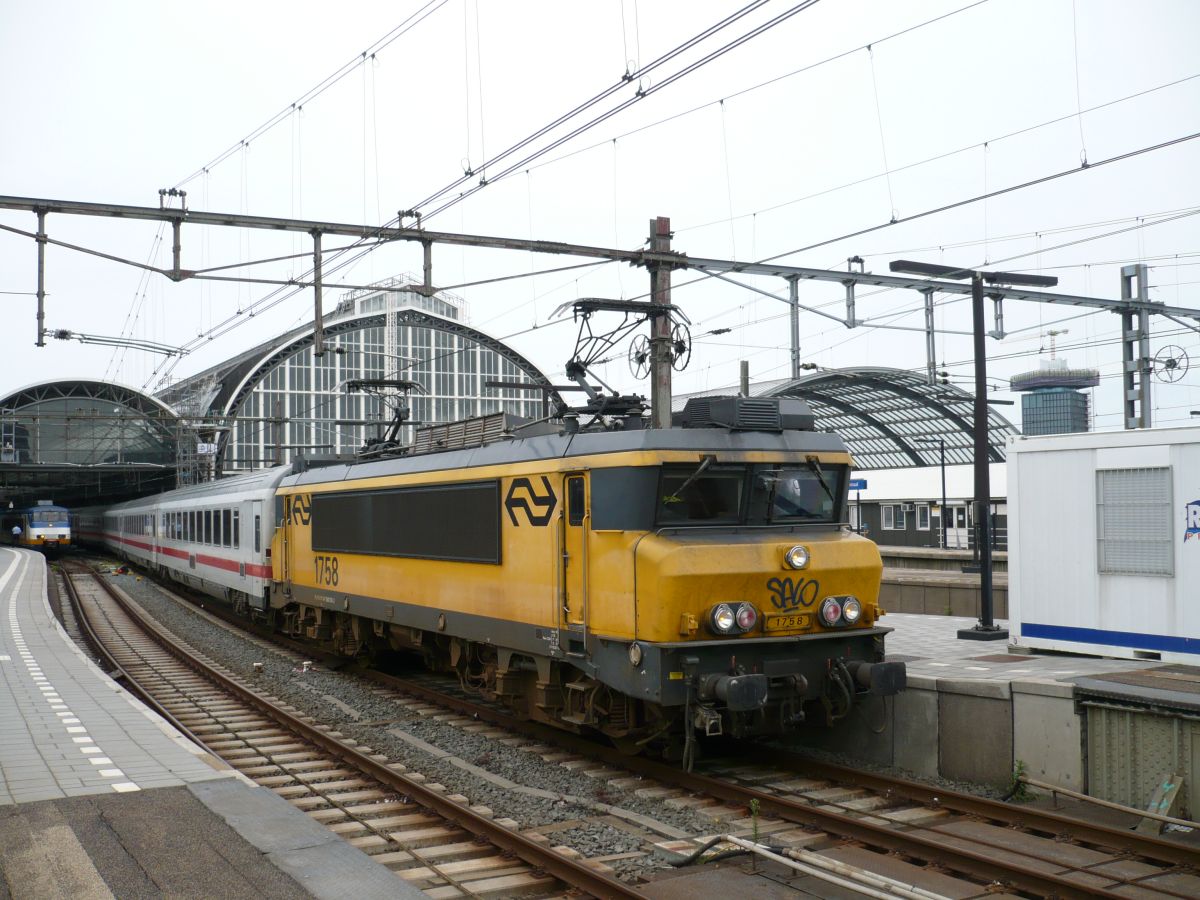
<point x="936" y="595"/>
<point x="935" y="559"/>
<point x="968" y="730"/>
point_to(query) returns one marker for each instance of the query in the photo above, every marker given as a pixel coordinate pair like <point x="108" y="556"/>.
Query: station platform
<point x="100" y="797"/>
<point x="976" y="710"/>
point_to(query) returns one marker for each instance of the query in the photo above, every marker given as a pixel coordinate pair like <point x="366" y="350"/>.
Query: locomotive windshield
<point x="703" y="496"/>
<point x="771" y="494"/>
<point x="799" y="495"/>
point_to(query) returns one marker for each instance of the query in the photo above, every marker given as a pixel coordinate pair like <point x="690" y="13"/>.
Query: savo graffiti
<point x="787" y="595"/>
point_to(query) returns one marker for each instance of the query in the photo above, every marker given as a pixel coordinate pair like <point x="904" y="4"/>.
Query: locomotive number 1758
<point x="326" y="569"/>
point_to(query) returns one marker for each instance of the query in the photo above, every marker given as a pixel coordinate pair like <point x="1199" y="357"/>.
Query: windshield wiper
<point x="815" y="465"/>
<point x="677" y="496"/>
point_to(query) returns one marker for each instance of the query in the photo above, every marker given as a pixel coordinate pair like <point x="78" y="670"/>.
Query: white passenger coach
<point x="215" y="537"/>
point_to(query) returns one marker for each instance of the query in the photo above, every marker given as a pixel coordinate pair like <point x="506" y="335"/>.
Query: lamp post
<point x="941" y="445"/>
<point x="985" y="629"/>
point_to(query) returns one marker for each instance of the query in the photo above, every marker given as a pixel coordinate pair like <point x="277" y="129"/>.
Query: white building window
<point x="1133" y="522"/>
<point x="923" y="517"/>
<point x="893" y="517"/>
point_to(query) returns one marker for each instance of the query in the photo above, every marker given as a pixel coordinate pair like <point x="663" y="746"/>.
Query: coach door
<point x="575" y="526"/>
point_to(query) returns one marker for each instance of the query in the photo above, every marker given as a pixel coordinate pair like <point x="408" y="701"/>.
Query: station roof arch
<point x="890" y="418"/>
<point x="268" y="402"/>
<point x="80" y="441"/>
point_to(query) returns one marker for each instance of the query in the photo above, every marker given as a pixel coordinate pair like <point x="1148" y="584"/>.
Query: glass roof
<point x="84" y="438"/>
<point x="890" y="418"/>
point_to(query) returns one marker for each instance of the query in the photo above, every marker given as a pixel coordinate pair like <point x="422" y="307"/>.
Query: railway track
<point x="429" y="838"/>
<point x="895" y="826"/>
<point x="953" y="844"/>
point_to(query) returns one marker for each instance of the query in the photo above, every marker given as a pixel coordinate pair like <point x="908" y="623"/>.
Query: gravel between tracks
<point x="355" y="708"/>
<point x="531" y="791"/>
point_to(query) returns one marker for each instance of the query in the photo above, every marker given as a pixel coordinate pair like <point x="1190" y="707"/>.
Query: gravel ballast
<point x="512" y="782"/>
<point x="531" y="791"/>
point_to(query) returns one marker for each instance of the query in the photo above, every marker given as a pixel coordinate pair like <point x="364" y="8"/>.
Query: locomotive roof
<point x="553" y="446"/>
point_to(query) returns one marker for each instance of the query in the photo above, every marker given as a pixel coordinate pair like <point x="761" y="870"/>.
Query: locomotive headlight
<point x="635" y="654"/>
<point x="851" y="610"/>
<point x="831" y="611"/>
<point x="797" y="557"/>
<point x="747" y="616"/>
<point x="722" y="618"/>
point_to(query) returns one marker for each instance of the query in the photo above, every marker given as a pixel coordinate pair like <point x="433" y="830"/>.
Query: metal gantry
<point x="659" y="259"/>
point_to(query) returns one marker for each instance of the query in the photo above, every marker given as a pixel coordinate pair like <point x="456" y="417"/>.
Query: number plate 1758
<point x="785" y="623"/>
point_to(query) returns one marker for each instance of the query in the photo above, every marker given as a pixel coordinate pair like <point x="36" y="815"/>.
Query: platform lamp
<point x="985" y="629"/>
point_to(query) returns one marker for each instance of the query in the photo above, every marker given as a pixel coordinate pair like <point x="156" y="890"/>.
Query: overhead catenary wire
<point x="953" y="205"/>
<point x="604" y="94"/>
<point x="760" y="85"/>
<point x="943" y="155"/>
<point x="273" y="298"/>
<point x="893" y="314"/>
<point x="641" y="94"/>
<point x="320" y="88"/>
<point x="933" y="20"/>
<point x="253" y="306"/>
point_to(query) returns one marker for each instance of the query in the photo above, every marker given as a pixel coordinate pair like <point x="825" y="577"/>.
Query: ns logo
<point x="301" y="510"/>
<point x="535" y="506"/>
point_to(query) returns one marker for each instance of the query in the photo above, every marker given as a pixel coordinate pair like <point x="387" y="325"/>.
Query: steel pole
<point x="660" y="328"/>
<point x="318" y="314"/>
<point x="41" y="278"/>
<point x="942" y="458"/>
<point x="986" y="629"/>
<point x="794" y="323"/>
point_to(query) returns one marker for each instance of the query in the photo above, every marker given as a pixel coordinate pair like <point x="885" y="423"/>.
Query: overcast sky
<point x="797" y="137"/>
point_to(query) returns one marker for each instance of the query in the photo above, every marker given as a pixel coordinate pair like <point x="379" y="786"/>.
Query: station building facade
<point x="281" y="399"/>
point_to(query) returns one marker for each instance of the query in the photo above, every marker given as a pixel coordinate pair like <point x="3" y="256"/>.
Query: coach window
<point x="208" y="528"/>
<point x="237" y="538"/>
<point x="576" y="500"/>
<point x="226" y="528"/>
<point x="257" y="534"/>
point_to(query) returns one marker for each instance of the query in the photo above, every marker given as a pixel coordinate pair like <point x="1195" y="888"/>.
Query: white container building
<point x="1104" y="543"/>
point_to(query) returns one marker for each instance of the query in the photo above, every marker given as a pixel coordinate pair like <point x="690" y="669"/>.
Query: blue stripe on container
<point x="1132" y="639"/>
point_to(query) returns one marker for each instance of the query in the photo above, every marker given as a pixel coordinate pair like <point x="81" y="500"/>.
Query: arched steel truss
<point x="412" y="317"/>
<point x="891" y="418"/>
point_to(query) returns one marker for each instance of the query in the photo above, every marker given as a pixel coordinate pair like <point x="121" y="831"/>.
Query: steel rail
<point x="956" y="801"/>
<point x="574" y="873"/>
<point x="979" y="864"/>
<point x="134" y="685"/>
<point x="1033" y="819"/>
<point x="123" y="677"/>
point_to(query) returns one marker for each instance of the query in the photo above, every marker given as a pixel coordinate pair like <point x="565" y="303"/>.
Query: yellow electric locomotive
<point x="646" y="584"/>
